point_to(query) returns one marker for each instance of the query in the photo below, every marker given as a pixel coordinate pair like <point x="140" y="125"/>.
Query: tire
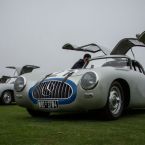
<point x="7" y="97"/>
<point x="115" y="102"/>
<point x="37" y="113"/>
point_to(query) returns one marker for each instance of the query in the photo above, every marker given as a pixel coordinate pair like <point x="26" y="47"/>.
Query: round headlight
<point x="89" y="80"/>
<point x="19" y="84"/>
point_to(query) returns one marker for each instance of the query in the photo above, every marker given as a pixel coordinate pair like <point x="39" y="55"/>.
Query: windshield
<point x="111" y="62"/>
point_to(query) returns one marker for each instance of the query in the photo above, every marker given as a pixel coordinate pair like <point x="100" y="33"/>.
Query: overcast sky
<point x="33" y="31"/>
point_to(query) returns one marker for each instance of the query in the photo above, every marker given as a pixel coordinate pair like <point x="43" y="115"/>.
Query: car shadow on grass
<point x="76" y="116"/>
<point x="88" y="116"/>
<point x="85" y="116"/>
<point x="133" y="112"/>
<point x="13" y="103"/>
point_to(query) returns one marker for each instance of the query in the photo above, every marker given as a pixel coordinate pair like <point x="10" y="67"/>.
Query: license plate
<point x="48" y="104"/>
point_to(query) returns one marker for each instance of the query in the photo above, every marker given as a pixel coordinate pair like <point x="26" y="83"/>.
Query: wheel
<point x="115" y="103"/>
<point x="7" y="97"/>
<point x="37" y="113"/>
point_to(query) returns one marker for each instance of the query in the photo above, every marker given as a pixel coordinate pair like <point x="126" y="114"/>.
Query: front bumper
<point x="79" y="98"/>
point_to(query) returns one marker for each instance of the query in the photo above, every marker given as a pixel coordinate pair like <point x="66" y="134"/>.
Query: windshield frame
<point x="111" y="56"/>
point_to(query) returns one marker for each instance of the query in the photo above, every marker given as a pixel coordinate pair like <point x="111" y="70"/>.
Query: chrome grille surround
<point x="52" y="89"/>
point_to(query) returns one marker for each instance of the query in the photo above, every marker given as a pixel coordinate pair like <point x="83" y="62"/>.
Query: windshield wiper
<point x="68" y="75"/>
<point x="38" y="83"/>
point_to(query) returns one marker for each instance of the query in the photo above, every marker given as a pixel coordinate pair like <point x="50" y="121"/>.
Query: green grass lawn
<point x="17" y="127"/>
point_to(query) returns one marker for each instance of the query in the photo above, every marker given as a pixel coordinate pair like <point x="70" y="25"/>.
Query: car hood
<point x="73" y="72"/>
<point x="64" y="73"/>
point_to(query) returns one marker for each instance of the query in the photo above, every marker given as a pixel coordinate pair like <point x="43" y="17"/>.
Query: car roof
<point x="141" y="37"/>
<point x="124" y="45"/>
<point x="92" y="47"/>
<point x="20" y="69"/>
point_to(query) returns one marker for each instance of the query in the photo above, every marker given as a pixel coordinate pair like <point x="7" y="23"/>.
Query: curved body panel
<point x="95" y="98"/>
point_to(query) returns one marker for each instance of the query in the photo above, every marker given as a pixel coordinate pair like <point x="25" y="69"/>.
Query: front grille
<point x="52" y="89"/>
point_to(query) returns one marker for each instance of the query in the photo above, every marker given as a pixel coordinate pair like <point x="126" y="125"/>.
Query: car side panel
<point x="97" y="97"/>
<point x="4" y="87"/>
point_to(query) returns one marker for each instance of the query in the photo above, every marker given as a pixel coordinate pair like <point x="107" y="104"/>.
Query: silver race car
<point x="7" y="83"/>
<point x="112" y="82"/>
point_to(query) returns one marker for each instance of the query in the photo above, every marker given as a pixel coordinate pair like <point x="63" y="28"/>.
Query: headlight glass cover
<point x="89" y="80"/>
<point x="19" y="84"/>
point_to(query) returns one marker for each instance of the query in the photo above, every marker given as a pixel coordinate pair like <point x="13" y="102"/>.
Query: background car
<point x="7" y="83"/>
<point x="112" y="82"/>
<point x="3" y="79"/>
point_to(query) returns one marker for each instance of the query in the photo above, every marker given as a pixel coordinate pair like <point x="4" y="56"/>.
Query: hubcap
<point x="7" y="98"/>
<point x="115" y="100"/>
